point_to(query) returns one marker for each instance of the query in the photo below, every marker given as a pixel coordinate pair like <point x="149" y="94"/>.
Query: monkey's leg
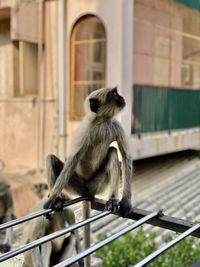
<point x="54" y="167"/>
<point x="113" y="171"/>
<point x="28" y="259"/>
<point x="108" y="175"/>
<point x="9" y="237"/>
<point x="36" y="257"/>
<point x="46" y="254"/>
<point x="69" y="249"/>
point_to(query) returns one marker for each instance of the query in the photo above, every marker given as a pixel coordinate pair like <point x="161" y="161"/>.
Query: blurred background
<point x="53" y="53"/>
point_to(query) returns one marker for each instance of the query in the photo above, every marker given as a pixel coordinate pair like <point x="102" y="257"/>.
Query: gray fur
<point x="6" y="213"/>
<point x="83" y="173"/>
<point x="42" y="226"/>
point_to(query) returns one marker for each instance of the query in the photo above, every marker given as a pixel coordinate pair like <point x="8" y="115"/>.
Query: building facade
<point x="148" y="48"/>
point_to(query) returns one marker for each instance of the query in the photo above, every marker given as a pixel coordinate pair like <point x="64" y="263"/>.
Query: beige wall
<point x="6" y="60"/>
<point x="19" y="136"/>
<point x="21" y="117"/>
<point x="35" y="122"/>
<point x="119" y="44"/>
<point x="157" y="51"/>
<point x="27" y="122"/>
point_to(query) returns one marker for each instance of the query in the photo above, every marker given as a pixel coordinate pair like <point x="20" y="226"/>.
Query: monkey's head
<point x="105" y="102"/>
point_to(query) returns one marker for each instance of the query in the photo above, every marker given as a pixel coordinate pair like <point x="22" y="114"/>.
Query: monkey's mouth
<point x="121" y="103"/>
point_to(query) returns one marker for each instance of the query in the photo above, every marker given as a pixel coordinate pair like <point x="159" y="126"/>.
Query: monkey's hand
<point x="113" y="205"/>
<point x="56" y="203"/>
<point x="50" y="202"/>
<point x="125" y="207"/>
<point x="4" y="248"/>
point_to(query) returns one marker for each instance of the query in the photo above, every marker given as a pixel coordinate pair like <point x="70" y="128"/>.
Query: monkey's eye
<point x="115" y="93"/>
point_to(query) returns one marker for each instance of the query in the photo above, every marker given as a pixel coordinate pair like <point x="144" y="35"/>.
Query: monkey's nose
<point x="122" y="102"/>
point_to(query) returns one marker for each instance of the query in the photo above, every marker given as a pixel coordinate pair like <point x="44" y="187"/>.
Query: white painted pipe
<point x="62" y="124"/>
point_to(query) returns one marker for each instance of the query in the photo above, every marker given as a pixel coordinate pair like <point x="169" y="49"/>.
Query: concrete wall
<point x="119" y="44"/>
<point x="21" y="116"/>
<point x="157" y="50"/>
<point x="19" y="134"/>
<point x="157" y="58"/>
<point x="31" y="133"/>
<point x="29" y="129"/>
<point x="6" y="58"/>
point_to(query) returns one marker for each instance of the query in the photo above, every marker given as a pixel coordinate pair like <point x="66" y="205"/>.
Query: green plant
<point x="130" y="249"/>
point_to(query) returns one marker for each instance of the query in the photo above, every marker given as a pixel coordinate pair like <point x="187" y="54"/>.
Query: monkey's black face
<point x="115" y="99"/>
<point x="106" y="102"/>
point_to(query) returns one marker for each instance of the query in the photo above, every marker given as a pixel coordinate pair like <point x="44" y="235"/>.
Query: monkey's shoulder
<point x="116" y="125"/>
<point x="117" y="128"/>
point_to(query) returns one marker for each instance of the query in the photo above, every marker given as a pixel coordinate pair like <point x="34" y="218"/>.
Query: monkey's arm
<point x="36" y="257"/>
<point x="33" y="230"/>
<point x="123" y="147"/>
<point x="66" y="173"/>
<point x="41" y="255"/>
<point x="46" y="250"/>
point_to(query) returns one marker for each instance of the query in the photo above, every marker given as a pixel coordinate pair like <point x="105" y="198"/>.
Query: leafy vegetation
<point x="130" y="249"/>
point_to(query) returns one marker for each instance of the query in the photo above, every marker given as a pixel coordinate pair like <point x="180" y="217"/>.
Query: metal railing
<point x="106" y="241"/>
<point x="141" y="216"/>
<point x="38" y="214"/>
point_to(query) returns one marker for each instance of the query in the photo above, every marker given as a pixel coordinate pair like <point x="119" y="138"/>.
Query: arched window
<point x="87" y="62"/>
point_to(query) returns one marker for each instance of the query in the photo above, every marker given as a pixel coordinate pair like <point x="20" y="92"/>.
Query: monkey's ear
<point x="94" y="104"/>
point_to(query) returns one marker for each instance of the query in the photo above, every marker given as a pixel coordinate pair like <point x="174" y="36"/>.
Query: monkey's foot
<point x="125" y="207"/>
<point x="4" y="248"/>
<point x="55" y="203"/>
<point x="113" y="205"/>
<point x="59" y="202"/>
<point x="58" y="205"/>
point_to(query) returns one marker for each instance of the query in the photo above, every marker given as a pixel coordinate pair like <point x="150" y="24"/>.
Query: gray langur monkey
<point x="56" y="250"/>
<point x="93" y="165"/>
<point x="6" y="214"/>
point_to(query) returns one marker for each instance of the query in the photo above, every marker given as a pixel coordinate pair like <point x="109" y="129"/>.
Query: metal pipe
<point x="41" y="108"/>
<point x="156" y="253"/>
<point x="87" y="231"/>
<point x="52" y="236"/>
<point x="166" y="222"/>
<point x="106" y="241"/>
<point x="62" y="127"/>
<point x="37" y="214"/>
